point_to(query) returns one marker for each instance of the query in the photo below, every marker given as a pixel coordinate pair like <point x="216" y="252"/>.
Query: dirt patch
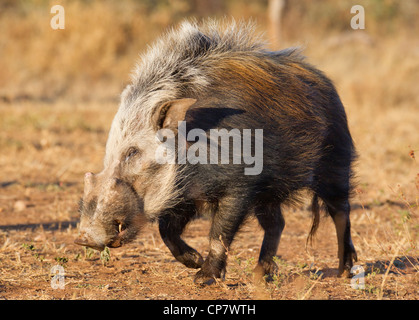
<point x="145" y="269"/>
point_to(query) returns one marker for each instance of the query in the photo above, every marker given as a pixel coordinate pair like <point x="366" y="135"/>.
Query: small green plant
<point x="29" y="247"/>
<point x="39" y="257"/>
<point x="105" y="256"/>
<point x="244" y="266"/>
<point x="302" y="265"/>
<point x="279" y="261"/>
<point x="249" y="266"/>
<point x="61" y="260"/>
<point x="405" y="215"/>
<point x="276" y="279"/>
<point x="316" y="274"/>
<point x="88" y="252"/>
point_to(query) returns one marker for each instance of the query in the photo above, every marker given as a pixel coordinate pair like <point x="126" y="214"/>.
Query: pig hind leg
<point x="334" y="190"/>
<point x="271" y="220"/>
<point x="171" y="227"/>
<point x="339" y="211"/>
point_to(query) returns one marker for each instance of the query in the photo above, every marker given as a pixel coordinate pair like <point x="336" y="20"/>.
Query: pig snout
<point x="84" y="240"/>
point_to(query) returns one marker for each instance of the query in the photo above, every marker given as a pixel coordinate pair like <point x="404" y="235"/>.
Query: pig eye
<point x="131" y="152"/>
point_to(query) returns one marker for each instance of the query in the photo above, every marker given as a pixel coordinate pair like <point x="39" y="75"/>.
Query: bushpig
<point x="212" y="76"/>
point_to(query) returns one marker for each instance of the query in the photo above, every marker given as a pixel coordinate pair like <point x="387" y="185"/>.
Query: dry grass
<point x="59" y="92"/>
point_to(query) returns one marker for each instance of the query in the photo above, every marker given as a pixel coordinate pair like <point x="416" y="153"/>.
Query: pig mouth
<point x="118" y="240"/>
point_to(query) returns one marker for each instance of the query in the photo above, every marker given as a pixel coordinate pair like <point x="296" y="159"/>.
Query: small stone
<point x="19" y="205"/>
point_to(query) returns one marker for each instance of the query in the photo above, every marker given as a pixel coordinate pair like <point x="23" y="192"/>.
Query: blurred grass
<point x="92" y="57"/>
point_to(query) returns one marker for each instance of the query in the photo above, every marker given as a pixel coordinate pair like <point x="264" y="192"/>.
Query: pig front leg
<point x="171" y="227"/>
<point x="271" y="220"/>
<point x="226" y="221"/>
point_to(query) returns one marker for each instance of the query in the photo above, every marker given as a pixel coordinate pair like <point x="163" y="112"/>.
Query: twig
<point x="311" y="288"/>
<point x="380" y="293"/>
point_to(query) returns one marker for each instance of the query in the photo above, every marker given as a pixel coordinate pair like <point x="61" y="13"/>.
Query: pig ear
<point x="169" y="113"/>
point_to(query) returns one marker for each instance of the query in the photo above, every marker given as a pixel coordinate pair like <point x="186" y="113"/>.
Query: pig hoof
<point x="264" y="271"/>
<point x="345" y="270"/>
<point x="344" y="274"/>
<point x="203" y="279"/>
<point x="207" y="276"/>
<point x="191" y="259"/>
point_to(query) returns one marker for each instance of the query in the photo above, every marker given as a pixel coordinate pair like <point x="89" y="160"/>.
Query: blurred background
<point x="93" y="56"/>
